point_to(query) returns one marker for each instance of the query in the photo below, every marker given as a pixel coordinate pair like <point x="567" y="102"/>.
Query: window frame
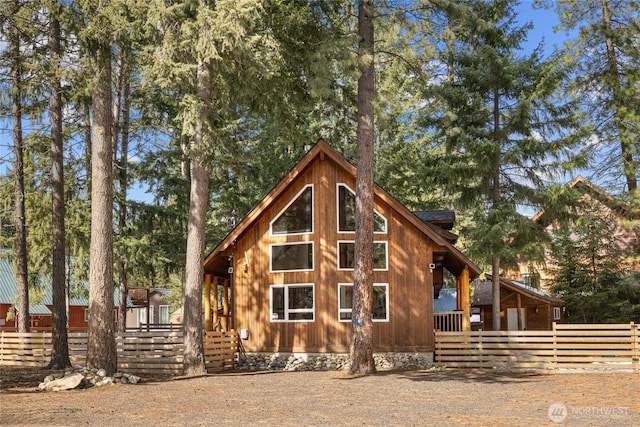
<point x="376" y="212"/>
<point x="557" y="313"/>
<point x="292" y="201"/>
<point x="287" y="311"/>
<point x="304" y="242"/>
<point x="167" y="308"/>
<point x="386" y="255"/>
<point x="350" y="310"/>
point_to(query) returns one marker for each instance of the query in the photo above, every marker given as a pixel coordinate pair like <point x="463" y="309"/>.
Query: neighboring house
<point x="40" y="312"/>
<point x="149" y="308"/>
<point x="290" y="262"/>
<point x="522" y="307"/>
<point x="628" y="239"/>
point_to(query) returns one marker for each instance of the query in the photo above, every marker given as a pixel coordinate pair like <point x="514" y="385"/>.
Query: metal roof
<point x="9" y="291"/>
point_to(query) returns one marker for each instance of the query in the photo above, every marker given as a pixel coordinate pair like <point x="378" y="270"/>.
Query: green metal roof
<point x="9" y="291"/>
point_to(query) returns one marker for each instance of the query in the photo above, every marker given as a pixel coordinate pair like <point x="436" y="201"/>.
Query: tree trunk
<point x="60" y="343"/>
<point x="362" y="362"/>
<point x="18" y="170"/>
<point x="629" y="167"/>
<point x="199" y="197"/>
<point x="496" y="197"/>
<point x="123" y="173"/>
<point x="101" y="348"/>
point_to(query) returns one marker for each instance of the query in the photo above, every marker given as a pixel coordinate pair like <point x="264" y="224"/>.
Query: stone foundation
<point x="331" y="361"/>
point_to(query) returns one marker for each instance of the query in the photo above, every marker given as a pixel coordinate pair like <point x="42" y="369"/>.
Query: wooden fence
<point x="139" y="352"/>
<point x="448" y="321"/>
<point x="566" y="346"/>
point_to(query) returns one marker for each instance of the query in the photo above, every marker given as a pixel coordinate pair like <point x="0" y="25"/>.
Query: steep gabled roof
<point x="586" y="187"/>
<point x="319" y="151"/>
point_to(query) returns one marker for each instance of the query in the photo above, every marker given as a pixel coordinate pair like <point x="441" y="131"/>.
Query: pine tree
<point x="503" y="132"/>
<point x="361" y="349"/>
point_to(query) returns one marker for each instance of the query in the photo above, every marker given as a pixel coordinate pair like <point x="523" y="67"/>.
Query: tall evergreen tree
<point x="504" y="132"/>
<point x="606" y="79"/>
<point x="101" y="345"/>
<point x="60" y="343"/>
<point x="361" y="349"/>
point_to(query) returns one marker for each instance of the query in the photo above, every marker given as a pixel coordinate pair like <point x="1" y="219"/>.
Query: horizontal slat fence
<point x="139" y="352"/>
<point x="220" y="350"/>
<point x="567" y="346"/>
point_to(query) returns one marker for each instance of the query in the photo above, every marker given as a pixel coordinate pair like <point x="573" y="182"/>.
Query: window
<point x="347" y="213"/>
<point x="292" y="257"/>
<point x="297" y="217"/>
<point x="346" y="255"/>
<point x="292" y="303"/>
<point x="557" y="313"/>
<point x="380" y="311"/>
<point x="142" y="315"/>
<point x="165" y="314"/>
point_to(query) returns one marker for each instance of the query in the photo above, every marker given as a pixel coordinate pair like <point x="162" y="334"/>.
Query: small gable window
<point x="347" y="213"/>
<point x="297" y="216"/>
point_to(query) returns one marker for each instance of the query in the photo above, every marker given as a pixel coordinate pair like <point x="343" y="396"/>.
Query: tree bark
<point x="199" y="196"/>
<point x="18" y="171"/>
<point x="629" y="167"/>
<point x="496" y="197"/>
<point x="60" y="342"/>
<point x="361" y="350"/>
<point x="101" y="348"/>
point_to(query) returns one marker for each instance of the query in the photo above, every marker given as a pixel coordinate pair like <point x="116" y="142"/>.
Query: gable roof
<point x="483" y="292"/>
<point x="319" y="151"/>
<point x="586" y="187"/>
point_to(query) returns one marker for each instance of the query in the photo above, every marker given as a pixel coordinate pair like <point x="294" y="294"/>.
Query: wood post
<point x="225" y="304"/>
<point x="463" y="290"/>
<point x="207" y="302"/>
<point x="519" y="317"/>
<point x="216" y="319"/>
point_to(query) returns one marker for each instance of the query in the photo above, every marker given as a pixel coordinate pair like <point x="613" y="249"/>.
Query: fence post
<point x="555" y="348"/>
<point x="480" y="347"/>
<point x="635" y="347"/>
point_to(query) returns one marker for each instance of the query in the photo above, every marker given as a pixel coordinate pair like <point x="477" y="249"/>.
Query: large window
<point x="380" y="311"/>
<point x="292" y="257"/>
<point x="142" y="315"/>
<point x="346" y="255"/>
<point x="347" y="213"/>
<point x="292" y="303"/>
<point x="297" y="217"/>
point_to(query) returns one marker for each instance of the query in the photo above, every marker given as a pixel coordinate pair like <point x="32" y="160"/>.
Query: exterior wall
<point x="539" y="314"/>
<point x="76" y="318"/>
<point x="410" y="325"/>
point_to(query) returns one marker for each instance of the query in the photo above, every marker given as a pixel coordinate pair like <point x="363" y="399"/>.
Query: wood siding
<point x="410" y="325"/>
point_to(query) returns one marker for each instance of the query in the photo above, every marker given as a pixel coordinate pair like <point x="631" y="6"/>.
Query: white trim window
<point x="380" y="311"/>
<point x="292" y="302"/>
<point x="346" y="255"/>
<point x="557" y="313"/>
<point x="142" y="316"/>
<point x="297" y="217"/>
<point x="295" y="256"/>
<point x="346" y="212"/>
<point x="165" y="314"/>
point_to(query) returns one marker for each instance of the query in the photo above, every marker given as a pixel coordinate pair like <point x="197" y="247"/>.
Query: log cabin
<point x="283" y="276"/>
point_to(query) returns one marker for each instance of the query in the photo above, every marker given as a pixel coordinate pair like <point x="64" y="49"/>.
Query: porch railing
<point x="448" y="321"/>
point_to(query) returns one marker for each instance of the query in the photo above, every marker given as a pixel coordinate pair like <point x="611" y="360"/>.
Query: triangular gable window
<point x="297" y="217"/>
<point x="347" y="213"/>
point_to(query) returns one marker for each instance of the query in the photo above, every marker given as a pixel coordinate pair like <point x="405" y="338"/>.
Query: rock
<point x="65" y="383"/>
<point x="101" y="373"/>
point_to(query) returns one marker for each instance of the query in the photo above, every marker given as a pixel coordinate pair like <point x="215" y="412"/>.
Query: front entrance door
<point x="512" y="319"/>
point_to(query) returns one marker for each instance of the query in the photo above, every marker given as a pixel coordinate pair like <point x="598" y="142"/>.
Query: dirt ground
<point x="389" y="398"/>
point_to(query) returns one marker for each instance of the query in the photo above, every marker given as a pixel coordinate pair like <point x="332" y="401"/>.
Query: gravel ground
<point x="389" y="398"/>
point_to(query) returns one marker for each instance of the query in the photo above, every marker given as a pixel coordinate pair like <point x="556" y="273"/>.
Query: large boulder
<point x="65" y="383"/>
